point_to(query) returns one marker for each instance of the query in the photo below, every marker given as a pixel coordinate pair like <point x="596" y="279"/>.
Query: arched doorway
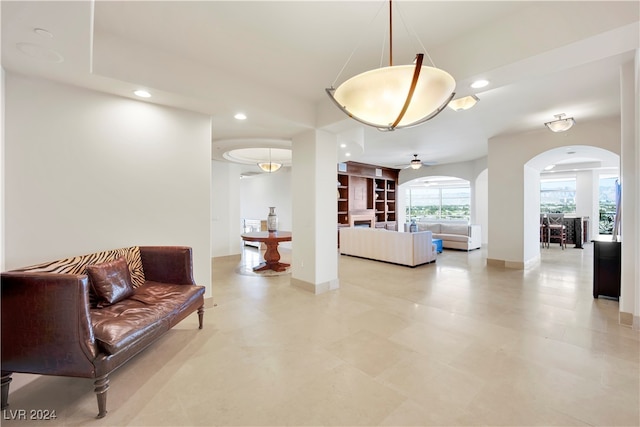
<point x="574" y="181"/>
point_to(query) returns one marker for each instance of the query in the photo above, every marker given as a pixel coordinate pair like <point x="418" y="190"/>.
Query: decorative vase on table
<point x="272" y="220"/>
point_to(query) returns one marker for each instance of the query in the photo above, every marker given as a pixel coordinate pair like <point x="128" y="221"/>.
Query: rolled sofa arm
<point x="46" y="327"/>
<point x="168" y="264"/>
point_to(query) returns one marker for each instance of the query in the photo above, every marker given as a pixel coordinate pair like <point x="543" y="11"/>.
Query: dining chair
<point x="557" y="229"/>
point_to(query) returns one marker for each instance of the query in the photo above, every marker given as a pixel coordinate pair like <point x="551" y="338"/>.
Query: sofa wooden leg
<point x="200" y="316"/>
<point x="4" y="383"/>
<point x="101" y="387"/>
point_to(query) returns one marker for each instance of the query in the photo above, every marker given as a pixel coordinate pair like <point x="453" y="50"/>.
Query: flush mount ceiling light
<point x="269" y="166"/>
<point x="561" y="124"/>
<point x="463" y="103"/>
<point x="397" y="96"/>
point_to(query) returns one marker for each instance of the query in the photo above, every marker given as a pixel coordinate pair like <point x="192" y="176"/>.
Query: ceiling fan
<point x="416" y="163"/>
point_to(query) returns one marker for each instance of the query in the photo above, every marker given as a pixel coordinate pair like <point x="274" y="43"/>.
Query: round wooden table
<point x="271" y="240"/>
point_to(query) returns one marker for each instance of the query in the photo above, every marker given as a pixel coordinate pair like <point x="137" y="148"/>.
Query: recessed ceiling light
<point x="142" y="93"/>
<point x="347" y="154"/>
<point x="240" y="116"/>
<point x="479" y="84"/>
<point x="343" y="145"/>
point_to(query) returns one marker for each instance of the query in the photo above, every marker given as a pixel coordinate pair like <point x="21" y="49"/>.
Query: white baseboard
<point x="317" y="288"/>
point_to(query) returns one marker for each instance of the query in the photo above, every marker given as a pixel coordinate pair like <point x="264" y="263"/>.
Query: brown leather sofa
<point x="55" y="320"/>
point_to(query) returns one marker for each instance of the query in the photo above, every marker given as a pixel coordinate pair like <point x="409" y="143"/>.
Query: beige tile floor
<point x="454" y="343"/>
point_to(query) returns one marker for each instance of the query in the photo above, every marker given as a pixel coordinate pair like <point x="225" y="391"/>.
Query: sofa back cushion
<point x="461" y="229"/>
<point x="433" y="227"/>
<point x="78" y="265"/>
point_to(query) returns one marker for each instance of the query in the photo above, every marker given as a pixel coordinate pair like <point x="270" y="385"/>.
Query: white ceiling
<point x="273" y="60"/>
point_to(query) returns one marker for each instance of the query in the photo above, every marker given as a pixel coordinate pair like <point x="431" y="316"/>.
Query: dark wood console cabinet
<point x="606" y="268"/>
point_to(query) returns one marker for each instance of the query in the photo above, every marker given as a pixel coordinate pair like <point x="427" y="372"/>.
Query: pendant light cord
<point x="390" y="33"/>
<point x="413" y="32"/>
<point x="407" y="28"/>
<point x="355" y="48"/>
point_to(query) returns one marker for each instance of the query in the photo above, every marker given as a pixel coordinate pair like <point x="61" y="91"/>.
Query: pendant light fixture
<point x="395" y="97"/>
<point x="269" y="166"/>
<point x="561" y="124"/>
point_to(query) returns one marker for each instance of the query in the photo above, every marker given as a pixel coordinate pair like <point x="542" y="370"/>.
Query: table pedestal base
<point x="271" y="259"/>
<point x="276" y="266"/>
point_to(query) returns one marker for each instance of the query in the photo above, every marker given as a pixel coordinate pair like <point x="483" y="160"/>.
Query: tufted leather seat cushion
<point x="150" y="311"/>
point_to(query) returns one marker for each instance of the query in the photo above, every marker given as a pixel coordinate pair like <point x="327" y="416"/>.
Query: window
<point x="558" y="195"/>
<point x="607" y="201"/>
<point x="439" y="202"/>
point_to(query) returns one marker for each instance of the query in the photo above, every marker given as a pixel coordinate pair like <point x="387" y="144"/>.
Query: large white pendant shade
<point x="377" y="97"/>
<point x="397" y="96"/>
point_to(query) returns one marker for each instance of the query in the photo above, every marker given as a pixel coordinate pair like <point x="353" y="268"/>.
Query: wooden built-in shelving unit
<point x="367" y="189"/>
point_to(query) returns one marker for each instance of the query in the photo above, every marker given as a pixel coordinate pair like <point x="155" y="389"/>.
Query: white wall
<point x="630" y="183"/>
<point x="2" y="246"/>
<point x="315" y="237"/>
<point x="86" y="171"/>
<point x="584" y="193"/>
<point x="531" y="201"/>
<point x="225" y="208"/>
<point x="481" y="206"/>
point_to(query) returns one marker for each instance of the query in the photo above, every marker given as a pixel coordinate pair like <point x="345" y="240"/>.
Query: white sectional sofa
<point x="409" y="249"/>
<point x="454" y="235"/>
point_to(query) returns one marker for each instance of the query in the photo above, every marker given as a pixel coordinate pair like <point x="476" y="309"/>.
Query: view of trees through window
<point x="445" y="202"/>
<point x="558" y="195"/>
<point x="607" y="198"/>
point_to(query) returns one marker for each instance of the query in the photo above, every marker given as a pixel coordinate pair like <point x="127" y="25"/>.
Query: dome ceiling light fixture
<point x="269" y="166"/>
<point x="561" y="124"/>
<point x="395" y="97"/>
<point x="464" y="103"/>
